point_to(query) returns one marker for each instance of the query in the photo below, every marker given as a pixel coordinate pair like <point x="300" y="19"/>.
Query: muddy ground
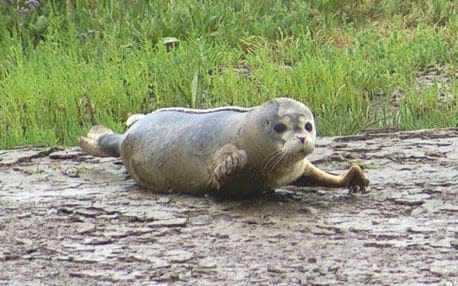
<point x="70" y="219"/>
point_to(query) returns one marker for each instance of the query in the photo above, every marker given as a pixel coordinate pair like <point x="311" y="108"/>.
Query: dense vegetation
<point x="65" y="65"/>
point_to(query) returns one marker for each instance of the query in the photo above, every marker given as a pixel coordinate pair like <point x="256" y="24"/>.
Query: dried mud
<point x="70" y="219"/>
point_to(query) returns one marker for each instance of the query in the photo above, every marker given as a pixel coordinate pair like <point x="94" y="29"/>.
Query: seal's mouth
<point x="304" y="152"/>
<point x="298" y="150"/>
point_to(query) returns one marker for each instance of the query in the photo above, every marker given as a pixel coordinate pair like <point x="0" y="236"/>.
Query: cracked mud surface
<point x="67" y="219"/>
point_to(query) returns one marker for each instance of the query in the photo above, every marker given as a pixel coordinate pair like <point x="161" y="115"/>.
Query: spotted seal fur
<point x="228" y="150"/>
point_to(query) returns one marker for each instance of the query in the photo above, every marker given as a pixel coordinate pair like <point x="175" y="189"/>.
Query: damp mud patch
<point x="67" y="218"/>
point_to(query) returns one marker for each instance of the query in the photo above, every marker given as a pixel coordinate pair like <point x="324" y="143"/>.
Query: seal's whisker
<point x="280" y="161"/>
<point x="275" y="159"/>
<point x="271" y="158"/>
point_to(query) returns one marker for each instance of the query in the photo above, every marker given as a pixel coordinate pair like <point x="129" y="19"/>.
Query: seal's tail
<point x="101" y="142"/>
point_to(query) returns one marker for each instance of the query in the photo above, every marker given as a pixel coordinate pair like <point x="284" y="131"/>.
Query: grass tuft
<point x="66" y="65"/>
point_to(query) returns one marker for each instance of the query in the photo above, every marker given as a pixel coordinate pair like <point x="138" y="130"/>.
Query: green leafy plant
<point x="66" y="65"/>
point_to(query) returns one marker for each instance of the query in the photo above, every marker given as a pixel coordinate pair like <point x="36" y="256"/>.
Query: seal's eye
<point x="280" y="128"/>
<point x="308" y="126"/>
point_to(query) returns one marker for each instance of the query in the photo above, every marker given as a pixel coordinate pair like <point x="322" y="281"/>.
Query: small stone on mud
<point x="152" y="215"/>
<point x="179" y="256"/>
<point x="175" y="222"/>
<point x="449" y="208"/>
<point x="86" y="212"/>
<point x="423" y="230"/>
<point x="431" y="191"/>
<point x="436" y="154"/>
<point x="412" y="200"/>
<point x="207" y="263"/>
<point x="444" y="268"/>
<point x="163" y="200"/>
<point x="24" y="241"/>
<point x="108" y="216"/>
<point x="85" y="228"/>
<point x="156" y="263"/>
<point x="71" y="172"/>
<point x="276" y="269"/>
<point x="24" y="215"/>
<point x="107" y="159"/>
<point x="64" y="258"/>
<point x="312" y="260"/>
<point x="308" y="210"/>
<point x="221" y="235"/>
<point x="87" y="259"/>
<point x="250" y="221"/>
<point x="52" y="211"/>
<point x="454" y="243"/>
<point x="66" y="154"/>
<point x="97" y="240"/>
<point x="76" y="218"/>
<point x="383" y="244"/>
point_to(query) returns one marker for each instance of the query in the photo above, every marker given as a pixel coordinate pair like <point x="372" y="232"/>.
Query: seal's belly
<point x="165" y="167"/>
<point x="243" y="184"/>
<point x="252" y="182"/>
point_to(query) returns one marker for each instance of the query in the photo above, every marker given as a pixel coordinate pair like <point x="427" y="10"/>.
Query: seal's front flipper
<point x="101" y="142"/>
<point x="354" y="178"/>
<point x="226" y="161"/>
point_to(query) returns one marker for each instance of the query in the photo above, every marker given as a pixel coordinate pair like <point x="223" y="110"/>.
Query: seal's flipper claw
<point x="356" y="178"/>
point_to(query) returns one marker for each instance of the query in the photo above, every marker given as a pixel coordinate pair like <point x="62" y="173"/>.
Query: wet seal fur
<point x="228" y="150"/>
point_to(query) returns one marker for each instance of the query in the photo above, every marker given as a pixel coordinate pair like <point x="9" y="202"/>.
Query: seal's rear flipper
<point x="101" y="142"/>
<point x="133" y="118"/>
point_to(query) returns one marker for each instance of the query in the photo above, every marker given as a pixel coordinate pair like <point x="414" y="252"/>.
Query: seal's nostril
<point x="302" y="139"/>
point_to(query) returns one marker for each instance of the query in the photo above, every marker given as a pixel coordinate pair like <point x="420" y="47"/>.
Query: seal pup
<point x="227" y="150"/>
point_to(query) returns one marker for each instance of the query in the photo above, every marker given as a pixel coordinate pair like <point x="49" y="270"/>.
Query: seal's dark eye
<point x="280" y="128"/>
<point x="308" y="126"/>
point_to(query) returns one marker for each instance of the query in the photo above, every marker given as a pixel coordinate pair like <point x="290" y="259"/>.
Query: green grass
<point x="63" y="68"/>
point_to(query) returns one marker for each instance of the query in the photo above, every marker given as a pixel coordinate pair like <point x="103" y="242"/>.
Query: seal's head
<point x="290" y="126"/>
<point x="287" y="128"/>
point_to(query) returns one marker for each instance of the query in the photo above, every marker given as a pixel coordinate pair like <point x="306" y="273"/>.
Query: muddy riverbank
<point x="67" y="219"/>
